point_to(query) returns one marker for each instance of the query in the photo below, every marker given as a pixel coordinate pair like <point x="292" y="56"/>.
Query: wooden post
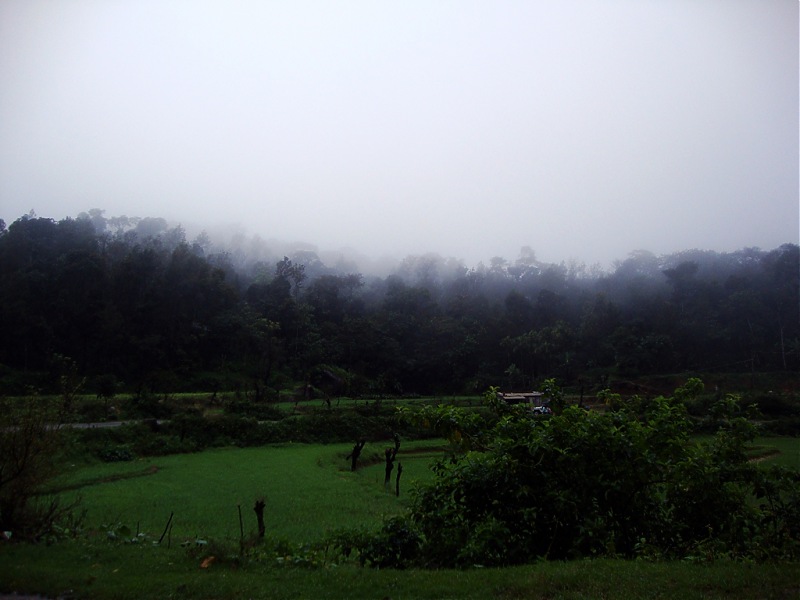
<point x="397" y="480"/>
<point x="161" y="539"/>
<point x="259" y="510"/>
<point x="356" y="452"/>
<point x="241" y="529"/>
<point x="390" y="454"/>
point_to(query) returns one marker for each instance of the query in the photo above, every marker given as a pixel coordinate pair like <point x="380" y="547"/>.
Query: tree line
<point x="132" y="303"/>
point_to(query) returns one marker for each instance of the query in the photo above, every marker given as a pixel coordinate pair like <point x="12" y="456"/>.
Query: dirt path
<point x="766" y="456"/>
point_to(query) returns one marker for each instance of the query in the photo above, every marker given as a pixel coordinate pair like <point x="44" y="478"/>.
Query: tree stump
<point x="397" y="480"/>
<point x="355" y="453"/>
<point x="259" y="510"/>
<point x="390" y="455"/>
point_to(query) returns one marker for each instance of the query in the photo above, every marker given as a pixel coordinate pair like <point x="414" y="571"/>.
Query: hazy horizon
<point x="585" y="130"/>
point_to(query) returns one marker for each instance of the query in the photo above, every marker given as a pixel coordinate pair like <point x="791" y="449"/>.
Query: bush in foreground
<point x="31" y="443"/>
<point x="628" y="482"/>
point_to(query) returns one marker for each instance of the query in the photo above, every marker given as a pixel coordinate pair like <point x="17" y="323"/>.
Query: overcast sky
<point x="583" y="129"/>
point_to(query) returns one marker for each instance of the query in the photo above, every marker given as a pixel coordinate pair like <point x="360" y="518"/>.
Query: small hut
<point x="532" y="399"/>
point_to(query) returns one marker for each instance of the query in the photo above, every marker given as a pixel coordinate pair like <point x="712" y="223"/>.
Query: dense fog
<point x="585" y="130"/>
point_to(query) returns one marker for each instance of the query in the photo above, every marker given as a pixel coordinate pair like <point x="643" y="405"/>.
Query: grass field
<point x="85" y="570"/>
<point x="309" y="491"/>
<point x="204" y="490"/>
<point x="784" y="451"/>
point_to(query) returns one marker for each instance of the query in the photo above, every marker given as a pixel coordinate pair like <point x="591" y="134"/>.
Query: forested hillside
<point x="131" y="302"/>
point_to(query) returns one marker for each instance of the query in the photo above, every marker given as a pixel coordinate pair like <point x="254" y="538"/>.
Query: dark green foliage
<point x="119" y="453"/>
<point x="192" y="432"/>
<point x="257" y="410"/>
<point x="150" y="406"/>
<point x="395" y="546"/>
<point x="128" y="442"/>
<point x="789" y="426"/>
<point x="778" y="493"/>
<point x="777" y="405"/>
<point x="31" y="450"/>
<point x="627" y="482"/>
<point x="135" y="303"/>
<point x="91" y="411"/>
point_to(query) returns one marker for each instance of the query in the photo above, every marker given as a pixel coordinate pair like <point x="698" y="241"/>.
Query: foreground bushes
<point x="31" y="444"/>
<point x="628" y="482"/>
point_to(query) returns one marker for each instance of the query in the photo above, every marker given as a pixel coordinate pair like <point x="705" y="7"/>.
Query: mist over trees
<point x="133" y="301"/>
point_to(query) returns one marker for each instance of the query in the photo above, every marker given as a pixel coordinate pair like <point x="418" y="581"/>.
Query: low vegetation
<point x="636" y="495"/>
<point x="106" y="571"/>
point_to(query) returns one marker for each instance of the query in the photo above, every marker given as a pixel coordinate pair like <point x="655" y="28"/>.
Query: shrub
<point x="257" y="410"/>
<point x="121" y="453"/>
<point x="789" y="426"/>
<point x="777" y="405"/>
<point x="91" y="411"/>
<point x="150" y="406"/>
<point x="625" y="482"/>
<point x="395" y="546"/>
<point x="31" y="446"/>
